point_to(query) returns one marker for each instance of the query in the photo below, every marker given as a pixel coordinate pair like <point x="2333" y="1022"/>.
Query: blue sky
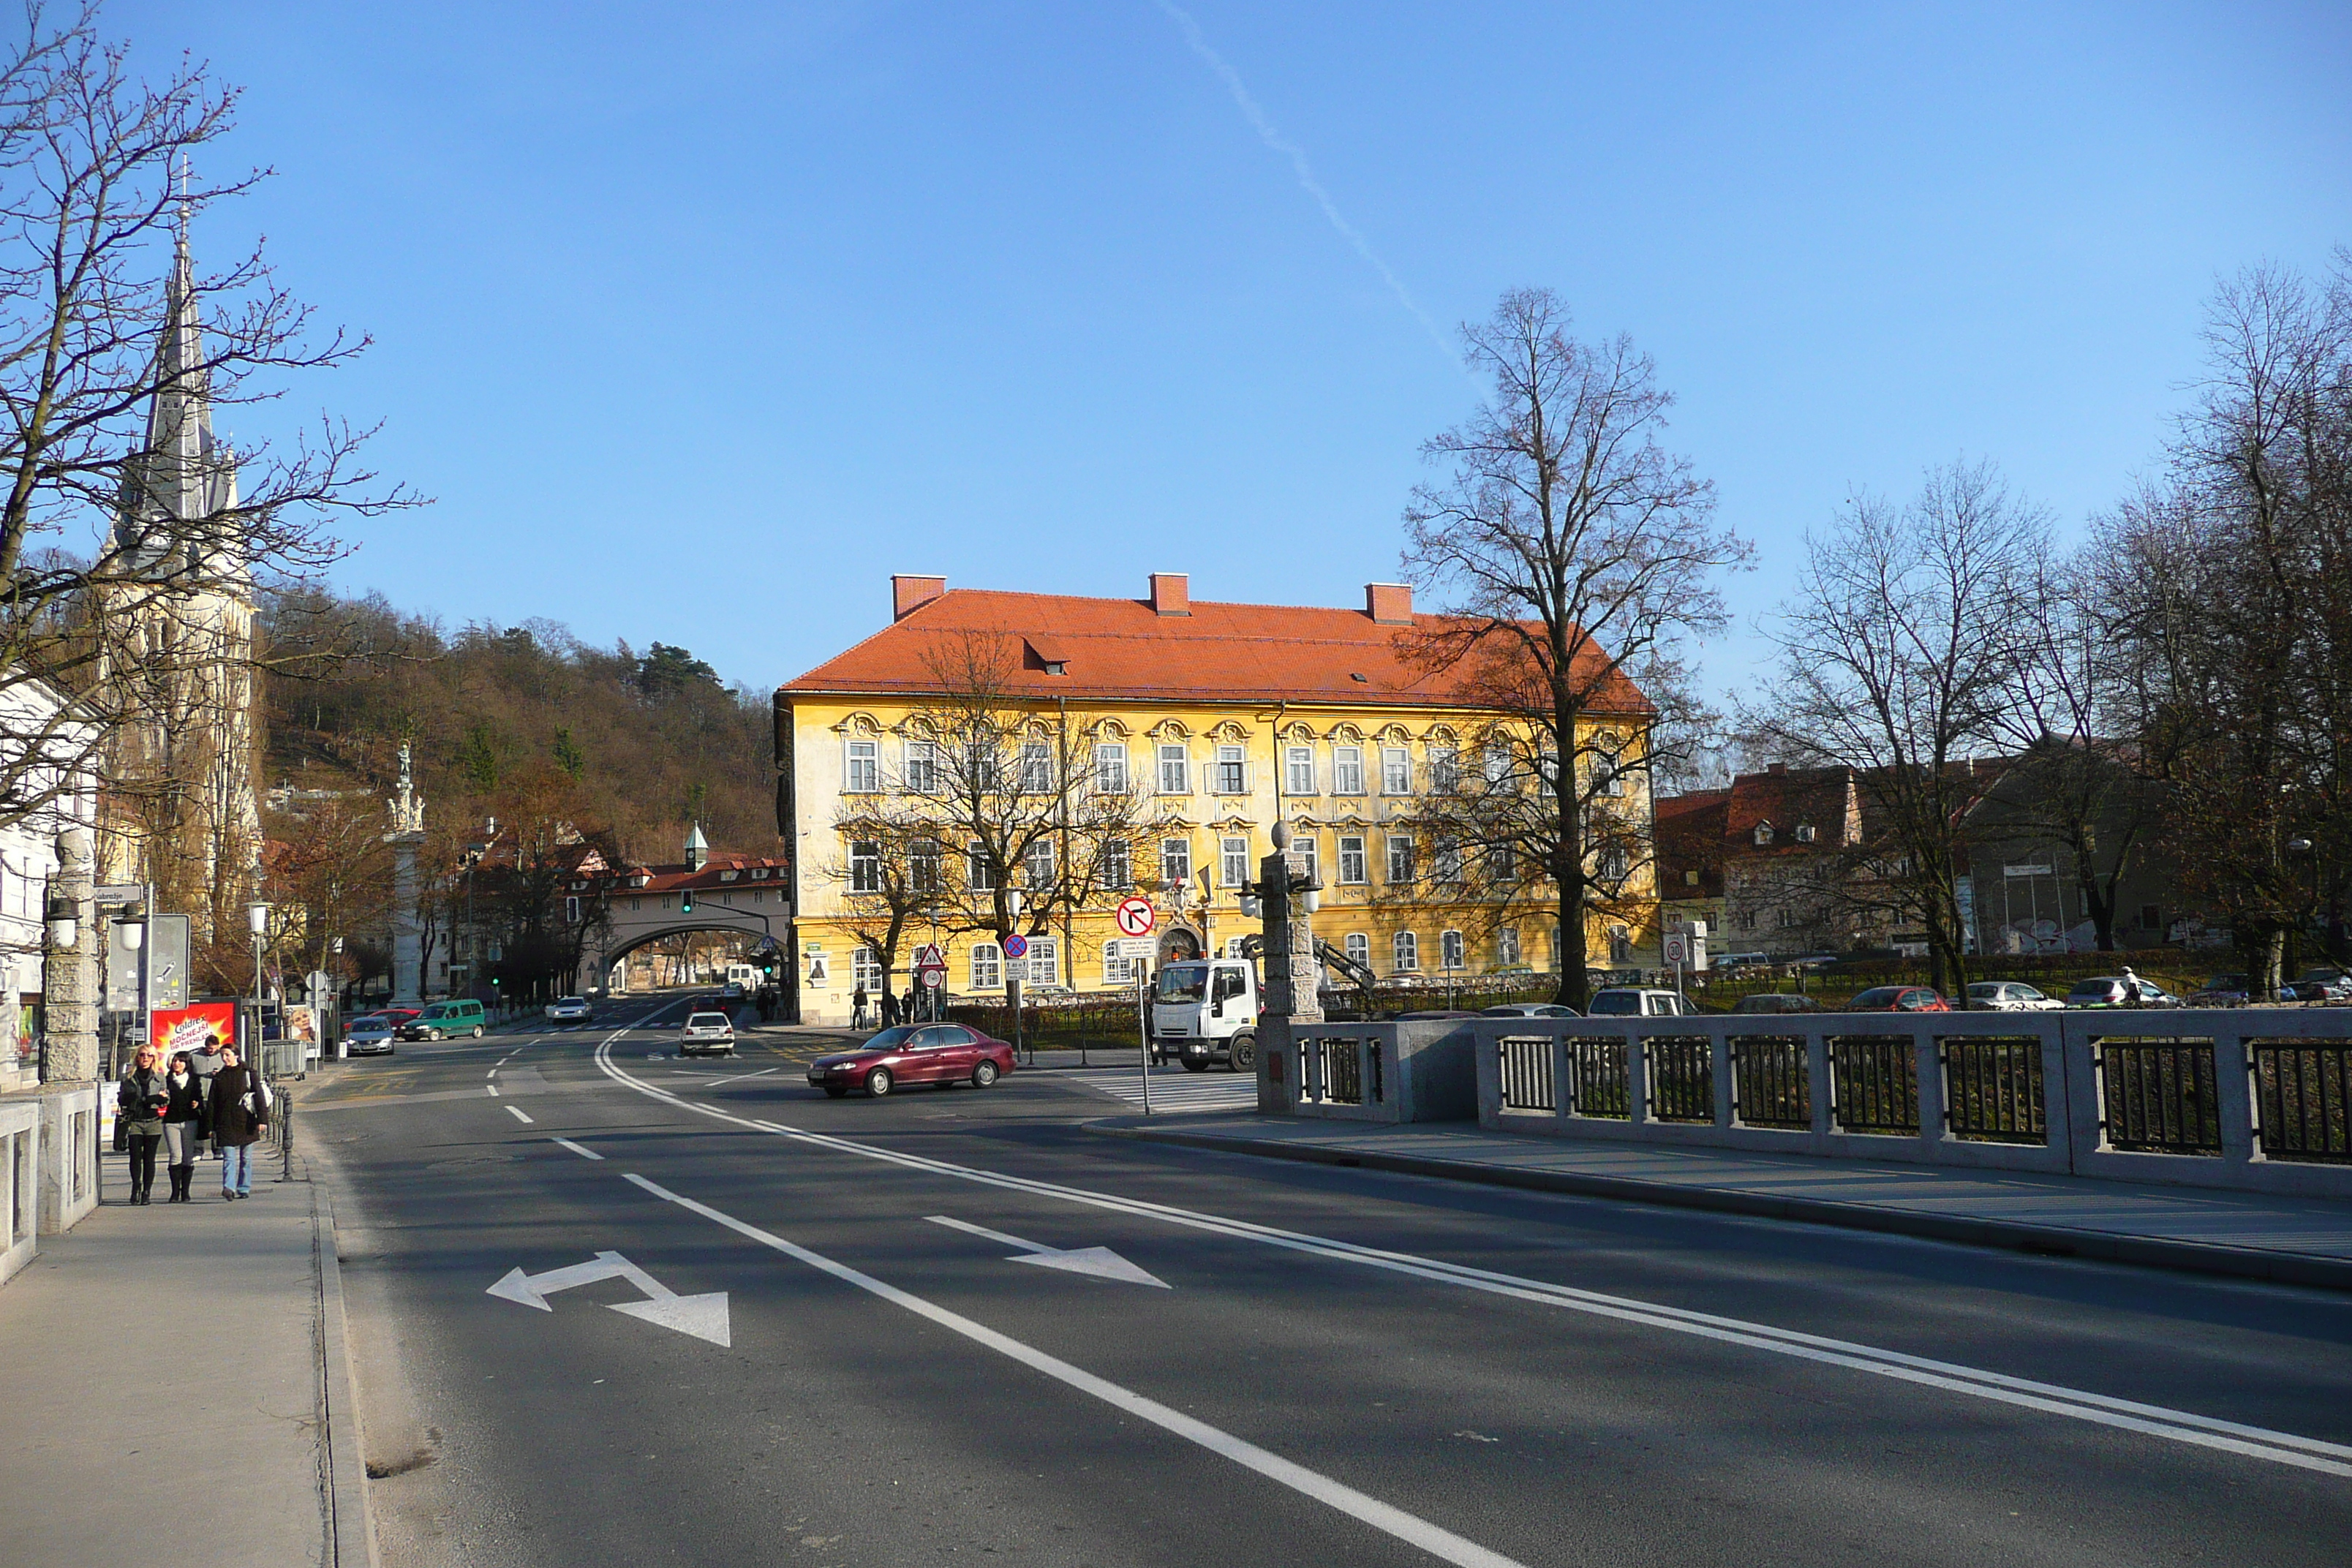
<point x="700" y="321"/>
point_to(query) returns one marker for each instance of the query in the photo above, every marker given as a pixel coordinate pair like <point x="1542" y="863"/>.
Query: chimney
<point x="908" y="594"/>
<point x="1777" y="769"/>
<point x="1171" y="594"/>
<point x="1389" y="603"/>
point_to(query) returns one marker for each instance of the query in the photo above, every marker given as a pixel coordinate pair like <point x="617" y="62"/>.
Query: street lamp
<point x="257" y="920"/>
<point x="65" y="927"/>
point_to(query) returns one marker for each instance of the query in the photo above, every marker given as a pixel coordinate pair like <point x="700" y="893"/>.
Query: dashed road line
<point x="519" y="1113"/>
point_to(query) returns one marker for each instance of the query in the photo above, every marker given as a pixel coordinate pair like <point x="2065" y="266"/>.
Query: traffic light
<point x="768" y="963"/>
<point x="685" y="902"/>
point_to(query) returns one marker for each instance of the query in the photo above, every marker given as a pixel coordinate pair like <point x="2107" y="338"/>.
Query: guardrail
<point x="2223" y="1098"/>
<point x="1417" y="1071"/>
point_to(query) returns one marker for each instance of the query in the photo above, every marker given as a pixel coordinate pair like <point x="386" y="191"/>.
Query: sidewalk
<point x="176" y="1386"/>
<point x="2302" y="1241"/>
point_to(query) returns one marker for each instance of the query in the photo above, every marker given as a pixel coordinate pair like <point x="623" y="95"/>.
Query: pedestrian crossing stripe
<point x="1193" y="1092"/>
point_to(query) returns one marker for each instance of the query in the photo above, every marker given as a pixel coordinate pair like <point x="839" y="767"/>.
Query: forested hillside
<point x="525" y="723"/>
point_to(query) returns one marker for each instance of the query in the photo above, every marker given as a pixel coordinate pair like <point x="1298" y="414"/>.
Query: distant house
<point x="1690" y="853"/>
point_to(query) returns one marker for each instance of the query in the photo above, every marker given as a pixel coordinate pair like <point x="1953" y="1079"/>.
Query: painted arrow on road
<point x="704" y="1317"/>
<point x="1096" y="1262"/>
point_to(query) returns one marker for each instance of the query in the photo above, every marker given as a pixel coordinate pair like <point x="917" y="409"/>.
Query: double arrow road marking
<point x="704" y="1317"/>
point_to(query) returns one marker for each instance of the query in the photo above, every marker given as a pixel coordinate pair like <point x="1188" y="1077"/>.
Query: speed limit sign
<point x="1677" y="947"/>
<point x="1136" y="918"/>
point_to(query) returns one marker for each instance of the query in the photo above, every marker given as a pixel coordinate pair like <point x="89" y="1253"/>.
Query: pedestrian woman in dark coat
<point x="238" y="1114"/>
<point x="140" y="1100"/>
<point x="183" y="1125"/>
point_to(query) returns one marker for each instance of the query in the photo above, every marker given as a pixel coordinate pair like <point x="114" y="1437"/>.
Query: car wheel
<point x="836" y="1091"/>
<point x="1244" y="1057"/>
<point x="478" y="1031"/>
<point x="877" y="1082"/>
<point x="983" y="1075"/>
<point x="1194" y="1064"/>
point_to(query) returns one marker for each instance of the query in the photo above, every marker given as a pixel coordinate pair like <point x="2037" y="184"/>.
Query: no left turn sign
<point x="1136" y="918"/>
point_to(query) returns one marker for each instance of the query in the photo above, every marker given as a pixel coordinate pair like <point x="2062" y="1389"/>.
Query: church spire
<point x="178" y="491"/>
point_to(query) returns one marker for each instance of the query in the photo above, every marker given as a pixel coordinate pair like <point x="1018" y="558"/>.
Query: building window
<point x="1117" y="968"/>
<point x="1175" y="861"/>
<point x="1298" y="771"/>
<point x="1303" y="846"/>
<point x="1451" y="951"/>
<point x="1608" y="777"/>
<point x="1620" y="945"/>
<point x="1037" y="865"/>
<point x="570" y="910"/>
<point x="865" y="969"/>
<point x="1807" y="833"/>
<point x="1444" y="772"/>
<point x="1233" y="773"/>
<point x="1763" y="834"/>
<point x="1352" y="859"/>
<point x="1445" y="861"/>
<point x="1117" y="865"/>
<point x="1498" y="766"/>
<point x="1507" y="948"/>
<point x="1347" y="769"/>
<point x="1175" y="772"/>
<point x="987" y="967"/>
<point x="923" y="866"/>
<point x="1744" y="919"/>
<point x="1407" y="948"/>
<point x="1399" y="857"/>
<point x="2148" y="919"/>
<point x="1232" y="862"/>
<point x="1110" y="766"/>
<point x="1503" y="866"/>
<point x="980" y="874"/>
<point x="1547" y="774"/>
<point x="1359" y="948"/>
<point x="1044" y="961"/>
<point x="1396" y="770"/>
<point x="863" y="773"/>
<point x="1036" y="768"/>
<point x="1614" y="863"/>
<point x="923" y="766"/>
<point x="865" y="867"/>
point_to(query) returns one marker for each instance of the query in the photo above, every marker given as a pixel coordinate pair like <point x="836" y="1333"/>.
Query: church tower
<point x="180" y="806"/>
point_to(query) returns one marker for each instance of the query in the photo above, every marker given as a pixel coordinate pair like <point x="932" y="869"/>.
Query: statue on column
<point x="406" y="810"/>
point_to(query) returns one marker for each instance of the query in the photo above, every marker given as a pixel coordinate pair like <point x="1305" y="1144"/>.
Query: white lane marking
<point x="585" y="1153"/>
<point x="493" y="1088"/>
<point x="762" y="1073"/>
<point x="2151" y="1420"/>
<point x="1439" y="1542"/>
<point x="518" y="1112"/>
<point x="1183" y="1093"/>
<point x="1095" y="1262"/>
<point x="703" y="1315"/>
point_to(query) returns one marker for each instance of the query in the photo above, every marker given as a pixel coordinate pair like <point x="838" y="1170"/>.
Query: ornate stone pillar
<point x="406" y="810"/>
<point x="1293" y="975"/>
<point x="68" y="989"/>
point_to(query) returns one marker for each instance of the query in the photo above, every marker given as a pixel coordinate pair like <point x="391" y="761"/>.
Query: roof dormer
<point x="1763" y="835"/>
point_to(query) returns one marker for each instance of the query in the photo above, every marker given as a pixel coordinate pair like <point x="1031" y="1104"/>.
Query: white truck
<point x="1205" y="1010"/>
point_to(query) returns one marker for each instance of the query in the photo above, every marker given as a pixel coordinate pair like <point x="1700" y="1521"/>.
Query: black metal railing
<point x="1682" y="1078"/>
<point x="1526" y="1071"/>
<point x="1993" y="1090"/>
<point x="2157" y="1097"/>
<point x="2300" y="1089"/>
<point x="1875" y="1085"/>
<point x="1343" y="1070"/>
<point x="1771" y="1082"/>
<point x="1597" y="1080"/>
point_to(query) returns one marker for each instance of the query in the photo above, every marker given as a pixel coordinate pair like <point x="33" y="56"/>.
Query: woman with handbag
<point x="184" y="1126"/>
<point x="240" y="1110"/>
<point x="138" y="1103"/>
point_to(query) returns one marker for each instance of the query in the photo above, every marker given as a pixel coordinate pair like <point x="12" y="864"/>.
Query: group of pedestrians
<point x="178" y="1109"/>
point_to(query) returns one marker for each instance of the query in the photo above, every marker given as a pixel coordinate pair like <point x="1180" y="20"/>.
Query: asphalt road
<point x="1333" y="1366"/>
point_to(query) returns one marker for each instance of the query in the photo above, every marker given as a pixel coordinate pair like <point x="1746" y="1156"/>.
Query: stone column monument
<point x="407" y="814"/>
<point x="1293" y="975"/>
<point x="69" y="976"/>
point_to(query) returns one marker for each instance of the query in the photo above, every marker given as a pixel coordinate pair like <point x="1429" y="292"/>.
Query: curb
<point x="353" y="1525"/>
<point x="2042" y="1240"/>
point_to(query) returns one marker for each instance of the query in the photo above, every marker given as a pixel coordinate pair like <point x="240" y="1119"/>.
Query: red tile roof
<point x="1123" y="648"/>
<point x="1689" y="835"/>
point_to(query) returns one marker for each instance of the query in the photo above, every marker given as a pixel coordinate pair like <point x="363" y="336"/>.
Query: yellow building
<point x="1157" y="740"/>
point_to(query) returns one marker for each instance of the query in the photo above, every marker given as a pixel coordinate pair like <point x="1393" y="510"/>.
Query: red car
<point x="914" y="1053"/>
<point x="1898" y="999"/>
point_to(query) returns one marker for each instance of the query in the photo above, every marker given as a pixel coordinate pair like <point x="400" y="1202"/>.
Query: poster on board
<point x="197" y="1028"/>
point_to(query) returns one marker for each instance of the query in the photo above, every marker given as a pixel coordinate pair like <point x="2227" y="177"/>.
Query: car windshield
<point x="2096" y="988"/>
<point x="1184" y="982"/>
<point x="1985" y="989"/>
<point x="572" y="1001"/>
<point x="1616" y="1003"/>
<point x="1883" y="996"/>
<point x="2326" y="971"/>
<point x="889" y="1039"/>
<point x="2226" y="982"/>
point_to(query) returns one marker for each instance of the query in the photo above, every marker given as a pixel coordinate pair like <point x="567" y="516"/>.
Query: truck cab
<point x="1205" y="1011"/>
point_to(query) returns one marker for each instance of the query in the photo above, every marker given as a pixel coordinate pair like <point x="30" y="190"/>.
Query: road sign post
<point x="1136" y="918"/>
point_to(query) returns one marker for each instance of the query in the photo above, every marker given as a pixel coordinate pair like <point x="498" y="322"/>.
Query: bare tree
<point x="1581" y="559"/>
<point x="889" y="872"/>
<point x="123" y="524"/>
<point x="1898" y="659"/>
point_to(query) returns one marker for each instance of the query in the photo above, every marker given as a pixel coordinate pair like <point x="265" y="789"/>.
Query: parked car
<point x="2224" y="991"/>
<point x="914" y="1053"/>
<point x="2324" y="982"/>
<point x="1425" y="1015"/>
<point x="1899" y="999"/>
<point x="1775" y="1002"/>
<point x="571" y="1010"/>
<point x="1628" y="1001"/>
<point x="2010" y="997"/>
<point x="370" y="1034"/>
<point x="1529" y="1010"/>
<point x="707" y="1035"/>
<point x="2115" y="991"/>
<point x="445" y="1020"/>
<point x="1742" y="961"/>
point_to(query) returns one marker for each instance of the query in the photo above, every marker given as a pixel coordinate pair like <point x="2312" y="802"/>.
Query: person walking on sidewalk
<point x="184" y="1126"/>
<point x="239" y="1110"/>
<point x="857" y="1008"/>
<point x="140" y="1100"/>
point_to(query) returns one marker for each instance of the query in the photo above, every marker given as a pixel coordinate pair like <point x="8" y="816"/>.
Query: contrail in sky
<point x="1299" y="166"/>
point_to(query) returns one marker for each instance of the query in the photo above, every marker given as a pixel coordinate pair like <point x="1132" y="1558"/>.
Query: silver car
<point x="706" y="1034"/>
<point x="370" y="1034"/>
<point x="2010" y="997"/>
<point x="570" y="1010"/>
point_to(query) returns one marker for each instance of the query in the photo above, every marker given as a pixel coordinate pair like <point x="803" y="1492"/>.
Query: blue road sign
<point x="1016" y="946"/>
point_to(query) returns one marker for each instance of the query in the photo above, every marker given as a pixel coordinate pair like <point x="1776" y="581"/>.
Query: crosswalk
<point x="1176" y="1093"/>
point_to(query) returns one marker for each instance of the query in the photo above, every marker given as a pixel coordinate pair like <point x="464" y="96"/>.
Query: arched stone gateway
<point x="639" y="904"/>
<point x="1178" y="944"/>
